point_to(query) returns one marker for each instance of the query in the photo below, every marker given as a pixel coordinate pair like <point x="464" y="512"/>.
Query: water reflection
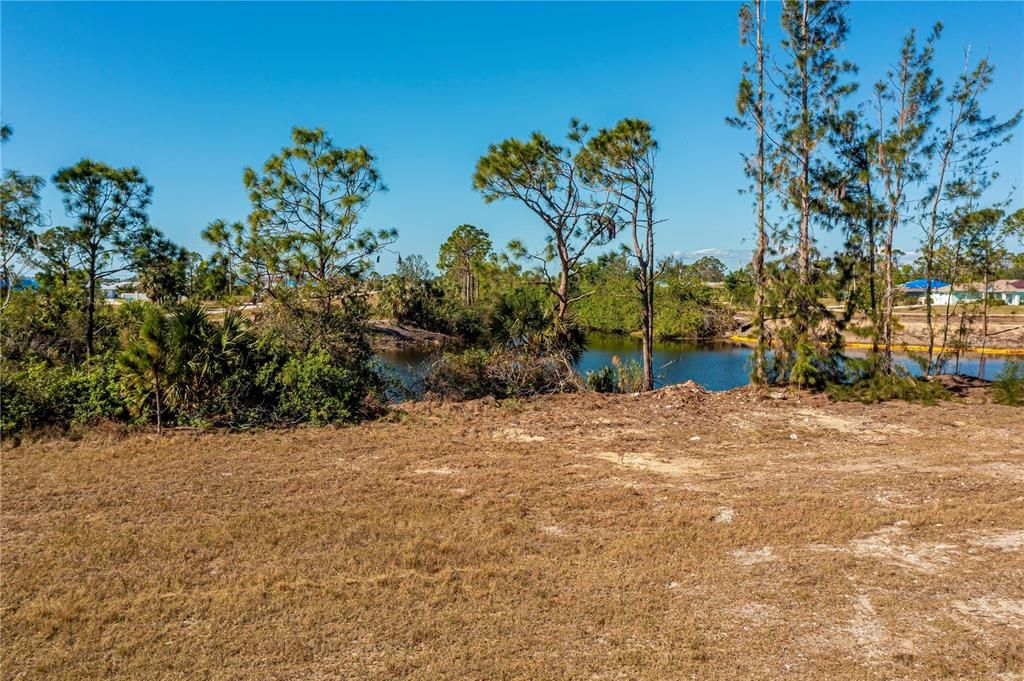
<point x="714" y="365"/>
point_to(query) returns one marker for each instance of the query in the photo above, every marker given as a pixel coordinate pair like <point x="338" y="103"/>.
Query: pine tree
<point x="810" y="84"/>
<point x="544" y="177"/>
<point x="906" y="102"/>
<point x="109" y="207"/>
<point x="961" y="150"/>
<point x="620" y="163"/>
<point x="752" y="107"/>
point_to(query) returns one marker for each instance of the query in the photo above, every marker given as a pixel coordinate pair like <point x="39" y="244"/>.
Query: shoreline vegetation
<point x="300" y="302"/>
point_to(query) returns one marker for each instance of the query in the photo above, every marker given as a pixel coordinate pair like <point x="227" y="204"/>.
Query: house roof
<point x="973" y="286"/>
<point x="998" y="286"/>
<point x="1008" y="285"/>
<point x="922" y="284"/>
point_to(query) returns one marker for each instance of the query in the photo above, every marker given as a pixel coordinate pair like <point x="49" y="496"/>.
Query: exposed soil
<point x="1005" y="328"/>
<point x="675" y="535"/>
<point x="385" y="335"/>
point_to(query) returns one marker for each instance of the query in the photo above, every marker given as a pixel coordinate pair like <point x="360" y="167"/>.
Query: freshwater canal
<point x="715" y="365"/>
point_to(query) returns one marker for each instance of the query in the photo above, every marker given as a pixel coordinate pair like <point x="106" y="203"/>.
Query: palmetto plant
<point x="146" y="363"/>
<point x="523" y="321"/>
<point x="193" y="363"/>
<point x="180" y="359"/>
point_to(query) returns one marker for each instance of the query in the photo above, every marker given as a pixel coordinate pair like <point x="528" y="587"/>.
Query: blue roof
<point x="923" y="284"/>
<point x="21" y="283"/>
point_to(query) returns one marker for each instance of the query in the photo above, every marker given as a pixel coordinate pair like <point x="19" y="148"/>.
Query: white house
<point x="122" y="290"/>
<point x="958" y="293"/>
<point x="1010" y="292"/>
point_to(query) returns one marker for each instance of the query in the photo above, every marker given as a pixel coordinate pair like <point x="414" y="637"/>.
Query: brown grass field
<point x="675" y="536"/>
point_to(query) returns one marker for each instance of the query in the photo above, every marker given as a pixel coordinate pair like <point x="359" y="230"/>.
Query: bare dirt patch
<point x="999" y="610"/>
<point x="676" y="535"/>
<point x="888" y="545"/>
<point x="649" y="461"/>
<point x="1003" y="540"/>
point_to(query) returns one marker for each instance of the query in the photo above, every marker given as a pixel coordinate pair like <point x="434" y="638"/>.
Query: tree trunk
<point x="90" y="324"/>
<point x="563" y="297"/>
<point x="953" y="273"/>
<point x="159" y="421"/>
<point x="563" y="284"/>
<point x="929" y="259"/>
<point x="761" y="351"/>
<point x="872" y="266"/>
<point x="647" y="319"/>
<point x="805" y="160"/>
<point x="928" y="269"/>
<point x="888" y="324"/>
<point x="984" y="326"/>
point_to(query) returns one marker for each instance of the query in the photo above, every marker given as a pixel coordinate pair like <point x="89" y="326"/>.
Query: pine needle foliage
<point x="1008" y="388"/>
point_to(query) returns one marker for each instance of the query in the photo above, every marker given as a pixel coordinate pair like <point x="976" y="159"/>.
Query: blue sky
<point x="194" y="92"/>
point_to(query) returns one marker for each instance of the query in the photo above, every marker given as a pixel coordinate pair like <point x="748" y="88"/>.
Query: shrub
<point x="322" y="392"/>
<point x="620" y="377"/>
<point x="602" y="380"/>
<point x="460" y="376"/>
<point x="501" y="373"/>
<point x="98" y="392"/>
<point x="524" y="323"/>
<point x="689" y="308"/>
<point x="39" y="395"/>
<point x="866" y="382"/>
<point x="1008" y="388"/>
<point x="24" y="399"/>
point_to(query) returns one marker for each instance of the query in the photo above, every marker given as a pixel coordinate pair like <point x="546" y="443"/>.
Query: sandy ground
<point x="678" y="535"/>
<point x="1005" y="328"/>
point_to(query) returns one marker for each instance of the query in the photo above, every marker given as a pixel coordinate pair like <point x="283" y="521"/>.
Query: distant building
<point x="1010" y="292"/>
<point x="122" y="290"/>
<point x="921" y="285"/>
<point x="953" y="295"/>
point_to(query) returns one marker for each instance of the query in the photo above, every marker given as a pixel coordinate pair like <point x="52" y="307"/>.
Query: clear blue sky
<point x="194" y="92"/>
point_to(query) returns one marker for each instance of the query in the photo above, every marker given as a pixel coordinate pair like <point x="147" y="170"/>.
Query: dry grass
<point x="568" y="537"/>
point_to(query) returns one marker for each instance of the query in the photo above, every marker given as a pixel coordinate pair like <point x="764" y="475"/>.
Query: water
<point x="714" y="365"/>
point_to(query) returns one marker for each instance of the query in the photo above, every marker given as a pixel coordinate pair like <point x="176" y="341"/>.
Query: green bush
<point x="602" y="380"/>
<point x="24" y="399"/>
<point x="620" y="377"/>
<point x="867" y="382"/>
<point x="524" y="323"/>
<point x="613" y="307"/>
<point x="207" y="372"/>
<point x="689" y="308"/>
<point x="1008" y="388"/>
<point x="321" y="392"/>
<point x="98" y="392"/>
<point x="39" y="395"/>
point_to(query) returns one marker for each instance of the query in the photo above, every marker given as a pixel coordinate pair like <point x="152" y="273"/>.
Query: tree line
<point x="910" y="152"/>
<point x="283" y="334"/>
